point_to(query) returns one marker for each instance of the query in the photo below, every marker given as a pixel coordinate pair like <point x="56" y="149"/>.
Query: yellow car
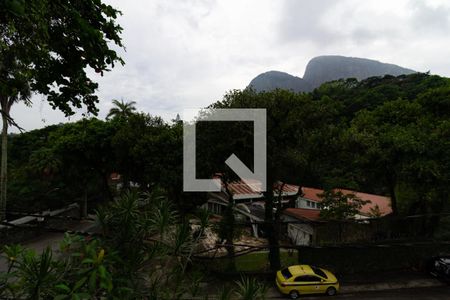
<point x="305" y="279"/>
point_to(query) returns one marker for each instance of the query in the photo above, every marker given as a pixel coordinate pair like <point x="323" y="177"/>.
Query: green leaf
<point x="93" y="280"/>
<point x="102" y="272"/>
<point x="87" y="261"/>
<point x="63" y="287"/>
<point x="83" y="296"/>
<point x="79" y="283"/>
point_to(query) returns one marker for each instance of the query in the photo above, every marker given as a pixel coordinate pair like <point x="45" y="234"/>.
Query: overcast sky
<point x="187" y="54"/>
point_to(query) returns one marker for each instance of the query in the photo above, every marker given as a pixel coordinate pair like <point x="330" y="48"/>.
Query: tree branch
<point x="11" y="121"/>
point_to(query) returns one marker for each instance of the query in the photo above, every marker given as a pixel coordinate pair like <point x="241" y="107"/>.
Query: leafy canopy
<point x="338" y="206"/>
<point x="49" y="45"/>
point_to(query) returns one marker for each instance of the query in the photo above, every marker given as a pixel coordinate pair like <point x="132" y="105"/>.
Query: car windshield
<point x="319" y="272"/>
<point x="286" y="273"/>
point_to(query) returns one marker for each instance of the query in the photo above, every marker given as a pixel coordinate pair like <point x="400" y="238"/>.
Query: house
<point x="379" y="206"/>
<point x="247" y="193"/>
<point x="308" y="198"/>
<point x="300" y="207"/>
<point x="249" y="204"/>
<point x="300" y="224"/>
<point x="302" y="219"/>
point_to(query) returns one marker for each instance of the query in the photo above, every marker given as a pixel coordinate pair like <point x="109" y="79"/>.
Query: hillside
<point x="274" y="79"/>
<point x="326" y="68"/>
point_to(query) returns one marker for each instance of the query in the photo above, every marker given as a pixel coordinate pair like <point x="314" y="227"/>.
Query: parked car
<point x="439" y="267"/>
<point x="305" y="279"/>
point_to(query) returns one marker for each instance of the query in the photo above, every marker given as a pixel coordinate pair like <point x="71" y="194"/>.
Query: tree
<point x="60" y="164"/>
<point x="46" y="47"/>
<point x="226" y="228"/>
<point x="289" y="118"/>
<point x="137" y="145"/>
<point x="18" y="91"/>
<point x="34" y="181"/>
<point x="87" y="158"/>
<point x="339" y="207"/>
<point x="122" y="111"/>
<point x="390" y="141"/>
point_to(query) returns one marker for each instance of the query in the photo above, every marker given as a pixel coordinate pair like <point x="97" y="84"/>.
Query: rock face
<point x="326" y="68"/>
<point x="273" y="79"/>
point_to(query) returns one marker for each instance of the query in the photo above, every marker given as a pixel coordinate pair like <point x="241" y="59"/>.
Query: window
<point x="319" y="272"/>
<point x="286" y="274"/>
<point x="308" y="203"/>
<point x="307" y="278"/>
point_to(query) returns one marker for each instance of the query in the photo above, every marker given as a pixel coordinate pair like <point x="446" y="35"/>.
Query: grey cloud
<point x="432" y="20"/>
<point x="175" y="61"/>
<point x="191" y="10"/>
<point x="301" y="20"/>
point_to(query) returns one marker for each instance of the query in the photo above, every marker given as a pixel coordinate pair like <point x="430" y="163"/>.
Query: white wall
<point x="300" y="234"/>
<point x="305" y="203"/>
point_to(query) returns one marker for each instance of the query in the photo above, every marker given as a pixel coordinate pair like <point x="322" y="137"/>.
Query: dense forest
<point x="387" y="136"/>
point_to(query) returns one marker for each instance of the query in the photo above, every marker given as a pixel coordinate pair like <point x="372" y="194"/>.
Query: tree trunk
<point x="230" y="232"/>
<point x="4" y="166"/>
<point x="83" y="202"/>
<point x="271" y="228"/>
<point x="106" y="187"/>
<point x="437" y="208"/>
<point x="229" y="242"/>
<point x="391" y="183"/>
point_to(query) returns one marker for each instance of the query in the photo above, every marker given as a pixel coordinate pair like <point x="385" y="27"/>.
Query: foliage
<point x="69" y="162"/>
<point x="381" y="135"/>
<point x="67" y="38"/>
<point x="225" y="293"/>
<point x="387" y="136"/>
<point x="122" y="110"/>
<point x="250" y="288"/>
<point x="252" y="262"/>
<point x="336" y="205"/>
<point x="150" y="238"/>
<point x="285" y="133"/>
<point x="144" y="249"/>
<point x="82" y="271"/>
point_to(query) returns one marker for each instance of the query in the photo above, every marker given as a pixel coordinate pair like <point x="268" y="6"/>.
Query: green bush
<point x="143" y="253"/>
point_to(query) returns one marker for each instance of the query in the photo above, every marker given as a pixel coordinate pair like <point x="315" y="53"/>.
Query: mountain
<point x="273" y="79"/>
<point x="326" y="68"/>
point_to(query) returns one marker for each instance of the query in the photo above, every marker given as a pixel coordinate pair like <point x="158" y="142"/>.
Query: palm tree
<point x="19" y="92"/>
<point x="122" y="110"/>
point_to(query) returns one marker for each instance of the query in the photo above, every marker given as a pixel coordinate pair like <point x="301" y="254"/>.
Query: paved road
<point x="49" y="239"/>
<point x="431" y="293"/>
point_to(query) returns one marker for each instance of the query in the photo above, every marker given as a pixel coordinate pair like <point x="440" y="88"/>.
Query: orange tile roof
<point x="312" y="194"/>
<point x="383" y="203"/>
<point x="242" y="188"/>
<point x="287" y="188"/>
<point x="303" y="213"/>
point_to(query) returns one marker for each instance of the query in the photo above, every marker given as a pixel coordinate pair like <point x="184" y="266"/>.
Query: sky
<point x="187" y="54"/>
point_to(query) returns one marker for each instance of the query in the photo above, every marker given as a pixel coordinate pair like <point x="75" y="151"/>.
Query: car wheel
<point x="331" y="291"/>
<point x="294" y="294"/>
